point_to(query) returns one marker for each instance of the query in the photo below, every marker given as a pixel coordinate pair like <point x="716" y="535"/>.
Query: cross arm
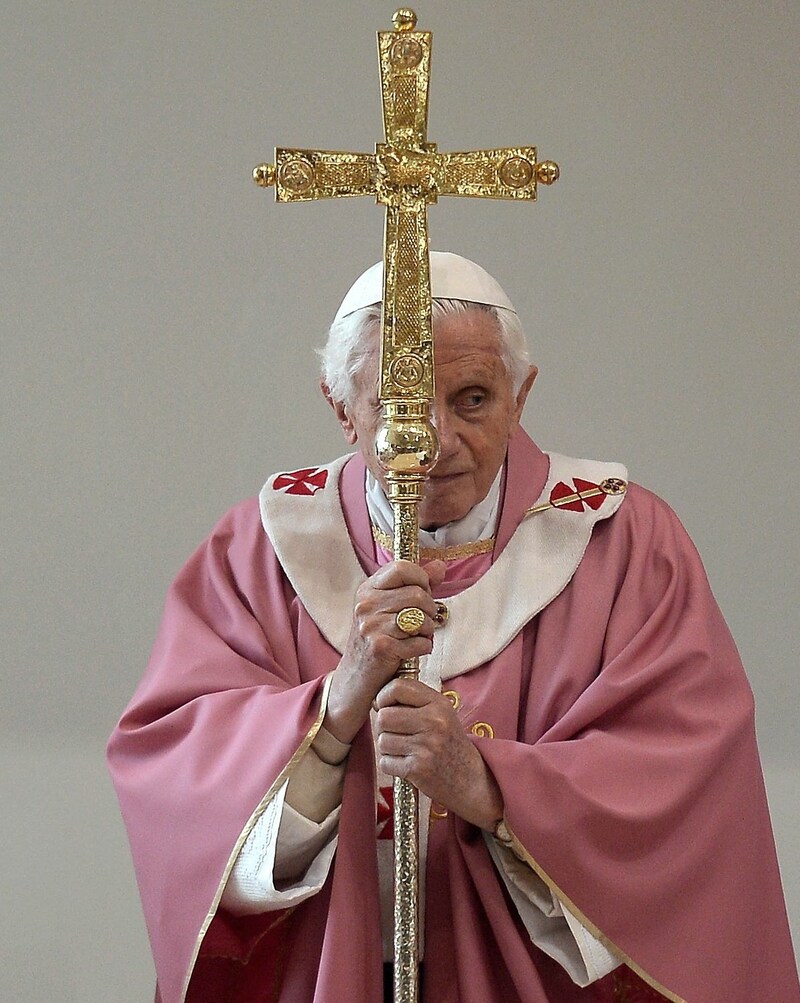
<point x="307" y="175"/>
<point x="506" y="173"/>
<point x="405" y="64"/>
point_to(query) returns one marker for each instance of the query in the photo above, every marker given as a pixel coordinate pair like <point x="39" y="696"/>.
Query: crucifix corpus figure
<point x="450" y="718"/>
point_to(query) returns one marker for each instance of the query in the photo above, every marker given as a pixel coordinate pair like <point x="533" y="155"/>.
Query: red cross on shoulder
<point x="573" y="499"/>
<point x="581" y="495"/>
<point x="301" y="482"/>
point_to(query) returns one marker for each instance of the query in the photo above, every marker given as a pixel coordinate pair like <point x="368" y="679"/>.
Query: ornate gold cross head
<point x="406" y="174"/>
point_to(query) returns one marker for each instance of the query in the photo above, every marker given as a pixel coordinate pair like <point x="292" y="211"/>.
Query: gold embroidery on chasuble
<point x="481" y="729"/>
<point x="452" y="553"/>
<point x="453" y="697"/>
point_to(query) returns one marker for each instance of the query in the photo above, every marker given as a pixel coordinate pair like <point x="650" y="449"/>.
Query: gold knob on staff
<point x="264" y="175"/>
<point x="404" y="19"/>
<point x="548" y="172"/>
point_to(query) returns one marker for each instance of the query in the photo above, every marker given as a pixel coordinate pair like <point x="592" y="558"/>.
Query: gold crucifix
<point x="406" y="174"/>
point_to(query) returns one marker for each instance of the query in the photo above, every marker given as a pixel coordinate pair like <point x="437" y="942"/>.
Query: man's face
<point x="475" y="413"/>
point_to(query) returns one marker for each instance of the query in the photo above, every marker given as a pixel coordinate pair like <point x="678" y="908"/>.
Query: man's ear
<point x="524" y="390"/>
<point x="340" y="410"/>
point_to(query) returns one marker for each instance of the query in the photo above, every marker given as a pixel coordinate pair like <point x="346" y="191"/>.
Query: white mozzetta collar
<point x="302" y="515"/>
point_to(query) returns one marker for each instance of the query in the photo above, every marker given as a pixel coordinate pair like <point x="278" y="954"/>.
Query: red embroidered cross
<point x="385" y="813"/>
<point x="576" y="495"/>
<point x="301" y="482"/>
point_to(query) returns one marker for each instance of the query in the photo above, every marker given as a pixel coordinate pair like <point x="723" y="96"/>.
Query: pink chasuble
<point x="623" y="744"/>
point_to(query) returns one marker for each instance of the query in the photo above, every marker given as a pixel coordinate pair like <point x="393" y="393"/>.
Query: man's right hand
<point x="376" y="645"/>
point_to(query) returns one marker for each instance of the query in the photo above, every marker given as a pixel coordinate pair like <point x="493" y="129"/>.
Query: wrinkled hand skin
<point x="421" y="739"/>
<point x="376" y="645"/>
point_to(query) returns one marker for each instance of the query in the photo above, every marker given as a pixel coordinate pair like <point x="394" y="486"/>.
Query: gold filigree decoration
<point x="453" y="697"/>
<point x="297" y="176"/>
<point x="406" y="538"/>
<point x="406" y="903"/>
<point x="407" y="371"/>
<point x="516" y="172"/>
<point x="406" y="53"/>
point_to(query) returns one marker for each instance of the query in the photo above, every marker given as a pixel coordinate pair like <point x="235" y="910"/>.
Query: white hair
<point x="351" y="339"/>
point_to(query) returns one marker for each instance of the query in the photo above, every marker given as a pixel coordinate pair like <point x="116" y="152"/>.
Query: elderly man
<point x="593" y="819"/>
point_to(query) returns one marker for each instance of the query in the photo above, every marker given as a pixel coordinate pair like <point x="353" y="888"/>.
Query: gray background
<point x="159" y="312"/>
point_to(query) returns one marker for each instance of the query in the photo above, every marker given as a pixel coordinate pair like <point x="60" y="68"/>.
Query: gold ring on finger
<point x="410" y="619"/>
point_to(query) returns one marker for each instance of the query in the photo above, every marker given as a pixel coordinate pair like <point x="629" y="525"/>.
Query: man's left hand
<point x="420" y="739"/>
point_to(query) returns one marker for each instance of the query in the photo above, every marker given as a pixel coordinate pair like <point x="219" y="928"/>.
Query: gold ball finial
<point x="548" y="172"/>
<point x="404" y="19"/>
<point x="264" y="175"/>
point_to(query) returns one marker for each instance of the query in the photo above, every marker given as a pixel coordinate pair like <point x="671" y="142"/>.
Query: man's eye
<point x="473" y="399"/>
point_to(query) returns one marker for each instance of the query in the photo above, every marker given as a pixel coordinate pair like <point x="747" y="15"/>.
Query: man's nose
<point x="445" y="430"/>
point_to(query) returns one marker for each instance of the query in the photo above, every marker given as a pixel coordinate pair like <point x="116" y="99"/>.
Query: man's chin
<point x="444" y="501"/>
<point x="437" y="516"/>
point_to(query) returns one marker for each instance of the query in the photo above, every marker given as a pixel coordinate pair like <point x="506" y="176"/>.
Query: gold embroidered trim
<point x="439" y="553"/>
<point x="610" y="486"/>
<point x="482" y="730"/>
<point x="259" y="811"/>
<point x="520" y="851"/>
<point x="453" y="697"/>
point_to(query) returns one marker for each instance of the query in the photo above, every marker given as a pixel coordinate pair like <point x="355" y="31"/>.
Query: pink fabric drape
<point x="623" y="744"/>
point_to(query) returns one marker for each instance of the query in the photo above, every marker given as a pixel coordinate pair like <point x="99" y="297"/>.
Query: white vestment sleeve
<point x="550" y="926"/>
<point x="251" y="884"/>
<point x="287" y="856"/>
